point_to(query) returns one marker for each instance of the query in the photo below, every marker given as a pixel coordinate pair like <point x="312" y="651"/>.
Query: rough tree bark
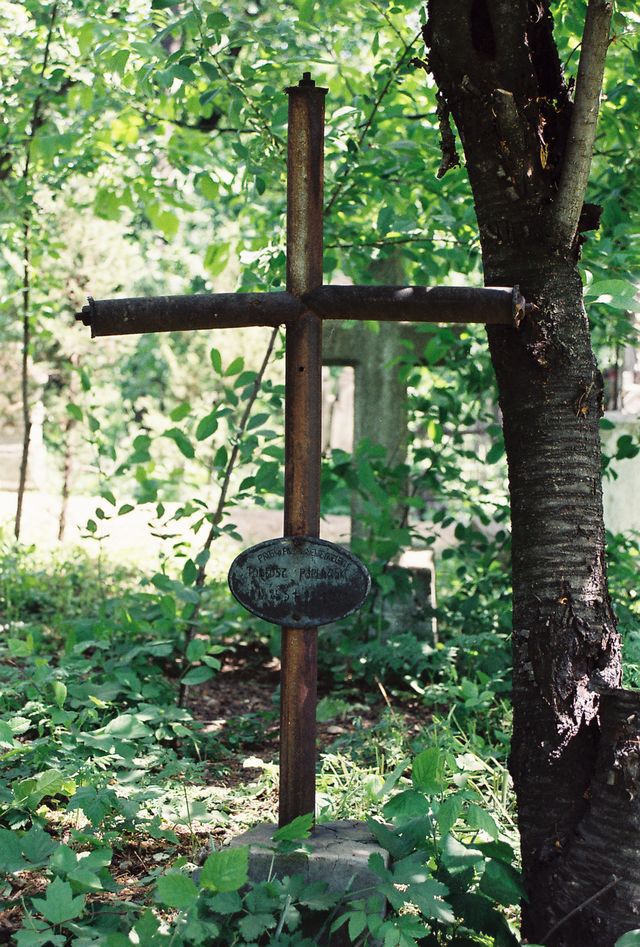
<point x="575" y="752"/>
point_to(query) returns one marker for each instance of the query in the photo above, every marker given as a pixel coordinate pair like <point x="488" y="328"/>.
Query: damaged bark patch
<point x="450" y="157"/>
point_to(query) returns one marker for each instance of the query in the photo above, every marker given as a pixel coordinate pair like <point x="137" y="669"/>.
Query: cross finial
<point x="307" y="85"/>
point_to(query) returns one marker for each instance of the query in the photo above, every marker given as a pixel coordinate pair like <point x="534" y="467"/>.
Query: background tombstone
<point x="380" y="414"/>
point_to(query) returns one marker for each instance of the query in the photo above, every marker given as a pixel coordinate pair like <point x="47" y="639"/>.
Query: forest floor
<point x="237" y="711"/>
<point x="239" y="706"/>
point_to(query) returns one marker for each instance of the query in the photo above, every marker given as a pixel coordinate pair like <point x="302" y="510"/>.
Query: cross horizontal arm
<point x="176" y="313"/>
<point x="491" y="305"/>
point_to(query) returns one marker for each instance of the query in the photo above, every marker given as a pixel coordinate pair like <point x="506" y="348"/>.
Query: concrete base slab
<point x="339" y="856"/>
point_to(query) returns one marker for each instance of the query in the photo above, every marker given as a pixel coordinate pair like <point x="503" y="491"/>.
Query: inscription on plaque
<point x="299" y="581"/>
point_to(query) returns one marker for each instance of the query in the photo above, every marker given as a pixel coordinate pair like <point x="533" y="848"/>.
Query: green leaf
<point x="183" y="72"/>
<point x="38" y="935"/>
<point x="401" y="841"/>
<point x="125" y="727"/>
<point x="59" y="905"/>
<point x="621" y="294"/>
<point x="428" y="897"/>
<point x="427" y="771"/>
<point x="181" y="441"/>
<point x="85" y="38"/>
<point x="147" y="930"/>
<point x="196" y="649"/>
<point x="298" y="828"/>
<point x="197" y="676"/>
<point x="235" y="367"/>
<point x="630" y="939"/>
<point x="495" y="452"/>
<point x="257" y="420"/>
<point x="357" y="923"/>
<point x="478" y="818"/>
<point x="30" y="792"/>
<point x="6" y="734"/>
<point x="84" y="881"/>
<point x="180" y="412"/>
<point x="189" y="572"/>
<point x="448" y="813"/>
<point x="216" y="360"/>
<point x="59" y="693"/>
<point x="207" y="426"/>
<point x="119" y="61"/>
<point x="626" y="448"/>
<point x="11" y="859"/>
<point x="206" y="185"/>
<point x="106" y="204"/>
<point x="406" y="805"/>
<point x="456" y="856"/>
<point x="217" y="20"/>
<point x="94" y="804"/>
<point x="479" y="914"/>
<point x="305" y="10"/>
<point x="38" y="846"/>
<point x="221" y="457"/>
<point x="502" y="883"/>
<point x="228" y="902"/>
<point x="216" y="257"/>
<point x="226" y="870"/>
<point x="74" y="411"/>
<point x="64" y="860"/>
<point x="176" y="890"/>
<point x="254" y="925"/>
<point x="500" y="851"/>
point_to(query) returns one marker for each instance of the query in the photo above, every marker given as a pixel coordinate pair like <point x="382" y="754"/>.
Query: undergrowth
<point x="114" y="800"/>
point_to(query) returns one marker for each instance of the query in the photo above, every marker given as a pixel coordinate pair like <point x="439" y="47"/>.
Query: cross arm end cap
<point x="85" y="316"/>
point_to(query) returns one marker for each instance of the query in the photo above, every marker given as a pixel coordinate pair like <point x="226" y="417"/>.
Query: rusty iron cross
<point x="301" y="309"/>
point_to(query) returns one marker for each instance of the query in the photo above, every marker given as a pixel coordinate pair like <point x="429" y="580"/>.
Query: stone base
<point x="339" y="856"/>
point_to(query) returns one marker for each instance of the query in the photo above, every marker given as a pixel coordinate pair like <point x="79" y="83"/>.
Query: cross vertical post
<point x="303" y="420"/>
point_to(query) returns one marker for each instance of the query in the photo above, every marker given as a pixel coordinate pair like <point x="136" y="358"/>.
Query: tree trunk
<point x="499" y="76"/>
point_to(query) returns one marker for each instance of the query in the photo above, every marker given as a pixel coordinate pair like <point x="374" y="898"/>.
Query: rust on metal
<point x="176" y="313"/>
<point x="303" y="422"/>
<point x="490" y="305"/>
<point x="299" y="581"/>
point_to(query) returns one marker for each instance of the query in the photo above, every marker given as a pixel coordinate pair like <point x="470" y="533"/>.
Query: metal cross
<point x="301" y="309"/>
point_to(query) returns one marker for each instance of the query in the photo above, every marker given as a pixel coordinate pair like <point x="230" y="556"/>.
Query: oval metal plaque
<point x="299" y="581"/>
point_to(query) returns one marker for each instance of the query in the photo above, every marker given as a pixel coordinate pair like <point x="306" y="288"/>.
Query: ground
<point x="238" y="711"/>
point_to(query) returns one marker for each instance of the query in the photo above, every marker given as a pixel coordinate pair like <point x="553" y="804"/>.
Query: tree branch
<point x="26" y="276"/>
<point x="582" y="130"/>
<point x="192" y="627"/>
<point x="594" y="897"/>
<point x="366" y="127"/>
